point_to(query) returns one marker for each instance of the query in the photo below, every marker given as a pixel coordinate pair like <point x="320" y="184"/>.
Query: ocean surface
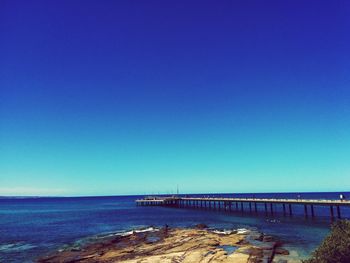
<point x="30" y="227"/>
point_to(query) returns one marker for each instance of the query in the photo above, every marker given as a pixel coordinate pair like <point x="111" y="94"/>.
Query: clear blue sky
<point x="133" y="97"/>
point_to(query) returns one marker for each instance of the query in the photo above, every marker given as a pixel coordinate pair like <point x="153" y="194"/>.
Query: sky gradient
<point x="135" y="97"/>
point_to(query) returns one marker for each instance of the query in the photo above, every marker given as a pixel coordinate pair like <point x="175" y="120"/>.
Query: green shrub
<point x="335" y="248"/>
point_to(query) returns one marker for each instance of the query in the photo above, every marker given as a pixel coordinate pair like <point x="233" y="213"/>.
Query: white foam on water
<point x="223" y="232"/>
<point x="13" y="247"/>
<point x="124" y="234"/>
<point x="128" y="233"/>
<point x="240" y="231"/>
<point x="243" y="231"/>
<point x="149" y="229"/>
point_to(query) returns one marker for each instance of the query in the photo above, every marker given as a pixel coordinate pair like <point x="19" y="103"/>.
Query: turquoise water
<point x="229" y="249"/>
<point x="30" y="227"/>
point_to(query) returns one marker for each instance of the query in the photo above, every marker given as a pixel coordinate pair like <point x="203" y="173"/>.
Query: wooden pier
<point x="157" y="201"/>
<point x="240" y="204"/>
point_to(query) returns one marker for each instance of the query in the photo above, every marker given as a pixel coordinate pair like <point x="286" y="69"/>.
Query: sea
<point x="33" y="226"/>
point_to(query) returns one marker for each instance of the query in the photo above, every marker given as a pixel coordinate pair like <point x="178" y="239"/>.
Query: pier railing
<point x="229" y="204"/>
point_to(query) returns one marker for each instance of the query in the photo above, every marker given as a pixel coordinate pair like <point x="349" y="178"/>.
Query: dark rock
<point x="243" y="242"/>
<point x="267" y="255"/>
<point x="281" y="251"/>
<point x="268" y="245"/>
<point x="268" y="239"/>
<point x="279" y="243"/>
<point x="256" y="236"/>
<point x="201" y="226"/>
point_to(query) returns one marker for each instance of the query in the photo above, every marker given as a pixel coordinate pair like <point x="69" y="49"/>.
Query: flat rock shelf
<point x="177" y="245"/>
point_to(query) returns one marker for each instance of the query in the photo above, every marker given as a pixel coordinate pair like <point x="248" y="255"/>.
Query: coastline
<point x="55" y="223"/>
<point x="196" y="244"/>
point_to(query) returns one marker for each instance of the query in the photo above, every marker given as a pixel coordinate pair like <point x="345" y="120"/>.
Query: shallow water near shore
<point x="30" y="227"/>
<point x="229" y="249"/>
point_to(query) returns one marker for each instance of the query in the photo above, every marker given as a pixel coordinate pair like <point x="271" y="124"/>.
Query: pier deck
<point x="221" y="203"/>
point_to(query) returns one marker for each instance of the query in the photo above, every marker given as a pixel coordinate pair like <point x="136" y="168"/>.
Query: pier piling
<point x="224" y="203"/>
<point x="332" y="212"/>
<point x="305" y="210"/>
<point x="338" y="212"/>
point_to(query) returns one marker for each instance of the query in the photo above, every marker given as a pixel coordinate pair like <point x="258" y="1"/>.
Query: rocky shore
<point x="176" y="245"/>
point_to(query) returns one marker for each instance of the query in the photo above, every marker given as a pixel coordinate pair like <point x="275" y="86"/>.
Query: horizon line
<point x="159" y="194"/>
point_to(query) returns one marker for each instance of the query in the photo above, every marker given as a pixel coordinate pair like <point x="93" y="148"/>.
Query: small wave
<point x="223" y="232"/>
<point x="12" y="247"/>
<point x="242" y="231"/>
<point x="126" y="233"/>
<point x="239" y="231"/>
<point x="92" y="239"/>
<point x="148" y="229"/>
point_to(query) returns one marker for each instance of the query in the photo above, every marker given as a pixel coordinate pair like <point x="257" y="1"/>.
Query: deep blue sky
<point x="125" y="97"/>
